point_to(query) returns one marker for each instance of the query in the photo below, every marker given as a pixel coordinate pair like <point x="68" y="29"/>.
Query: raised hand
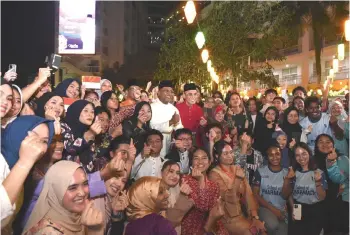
<point x="227" y="138"/>
<point x="10" y="76"/>
<point x="118" y="131"/>
<point x="240" y="172"/>
<point x="132" y="151"/>
<point x="50" y="113"/>
<point x="185" y="188"/>
<point x="332" y="155"/>
<point x="197" y="174"/>
<point x="82" y="91"/>
<point x="179" y="144"/>
<point x="96" y="127"/>
<point x="291" y="173"/>
<point x="117" y="164"/>
<point x="317" y="176"/>
<point x="292" y="143"/>
<point x="203" y="122"/>
<point x="175" y="119"/>
<point x="91" y="216"/>
<point x="212" y="135"/>
<point x="120" y="202"/>
<point x="32" y="148"/>
<point x="57" y="126"/>
<point x="44" y="73"/>
<point x="146" y="151"/>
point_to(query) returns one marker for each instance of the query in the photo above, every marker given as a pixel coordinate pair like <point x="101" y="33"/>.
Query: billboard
<point x="76" y="34"/>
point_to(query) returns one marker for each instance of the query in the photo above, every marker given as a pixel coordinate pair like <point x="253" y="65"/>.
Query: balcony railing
<point x="343" y="73"/>
<point x="291" y="79"/>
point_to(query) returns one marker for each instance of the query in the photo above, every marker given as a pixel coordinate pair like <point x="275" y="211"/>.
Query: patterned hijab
<point x="50" y="201"/>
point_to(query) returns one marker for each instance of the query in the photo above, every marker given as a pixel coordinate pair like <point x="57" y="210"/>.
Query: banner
<point x="77" y="27"/>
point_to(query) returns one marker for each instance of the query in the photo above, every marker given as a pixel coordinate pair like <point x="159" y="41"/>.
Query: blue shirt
<point x="271" y="183"/>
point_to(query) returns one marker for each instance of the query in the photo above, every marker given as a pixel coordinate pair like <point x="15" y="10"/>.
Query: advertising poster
<point x="76" y="27"/>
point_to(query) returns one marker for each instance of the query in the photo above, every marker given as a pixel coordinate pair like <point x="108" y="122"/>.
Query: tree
<point x="322" y="17"/>
<point x="234" y="31"/>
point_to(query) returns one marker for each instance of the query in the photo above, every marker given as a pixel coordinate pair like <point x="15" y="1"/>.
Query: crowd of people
<point x="133" y="161"/>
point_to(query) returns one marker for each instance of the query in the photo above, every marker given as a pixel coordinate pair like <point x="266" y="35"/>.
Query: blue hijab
<point x="72" y="118"/>
<point x="16" y="132"/>
<point x="61" y="89"/>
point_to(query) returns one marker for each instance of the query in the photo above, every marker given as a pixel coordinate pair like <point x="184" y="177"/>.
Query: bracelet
<point x="331" y="161"/>
<point x="24" y="167"/>
<point x="317" y="185"/>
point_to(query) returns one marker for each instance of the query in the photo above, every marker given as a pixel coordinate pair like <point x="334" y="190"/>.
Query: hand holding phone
<point x="297" y="212"/>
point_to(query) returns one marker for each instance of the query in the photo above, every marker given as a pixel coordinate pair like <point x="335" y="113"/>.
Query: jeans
<point x="273" y="225"/>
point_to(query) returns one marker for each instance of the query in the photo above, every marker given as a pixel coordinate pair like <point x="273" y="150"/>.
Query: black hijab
<point x="72" y="118"/>
<point x="41" y="102"/>
<point x="292" y="130"/>
<point x="61" y="89"/>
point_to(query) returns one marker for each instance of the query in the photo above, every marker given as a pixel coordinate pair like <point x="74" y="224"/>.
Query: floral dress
<point x="77" y="149"/>
<point x="46" y="227"/>
<point x="204" y="199"/>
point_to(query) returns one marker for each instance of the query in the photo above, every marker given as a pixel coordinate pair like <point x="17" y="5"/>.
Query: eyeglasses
<point x="186" y="139"/>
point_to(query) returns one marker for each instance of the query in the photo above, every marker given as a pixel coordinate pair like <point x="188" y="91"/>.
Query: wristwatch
<point x="256" y="217"/>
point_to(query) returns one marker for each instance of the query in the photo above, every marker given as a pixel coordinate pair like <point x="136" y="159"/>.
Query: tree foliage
<point x="234" y="31"/>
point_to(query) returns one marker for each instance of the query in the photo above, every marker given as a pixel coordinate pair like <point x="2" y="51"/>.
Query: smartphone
<point x="297" y="212"/>
<point x="13" y="68"/>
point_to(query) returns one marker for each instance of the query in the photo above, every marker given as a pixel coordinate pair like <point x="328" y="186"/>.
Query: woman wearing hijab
<point x="50" y="106"/>
<point x="106" y="85"/>
<point x="148" y="199"/>
<point x="70" y="88"/>
<point x="79" y="131"/>
<point x="6" y="97"/>
<point x="138" y="124"/>
<point x="17" y="104"/>
<point x="264" y="129"/>
<point x="291" y="124"/>
<point x="63" y="206"/>
<point x="337" y="123"/>
<point x="24" y="141"/>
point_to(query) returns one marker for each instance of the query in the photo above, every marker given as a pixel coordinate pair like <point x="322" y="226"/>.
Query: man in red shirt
<point x="190" y="113"/>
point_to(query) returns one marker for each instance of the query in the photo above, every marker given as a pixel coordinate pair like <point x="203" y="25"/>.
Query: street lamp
<point x="341" y="49"/>
<point x="200" y="40"/>
<point x="208" y="65"/>
<point x="190" y="12"/>
<point x="336" y="65"/>
<point x="205" y="55"/>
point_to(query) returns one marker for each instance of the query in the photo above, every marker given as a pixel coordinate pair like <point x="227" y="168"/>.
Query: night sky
<point x="27" y="36"/>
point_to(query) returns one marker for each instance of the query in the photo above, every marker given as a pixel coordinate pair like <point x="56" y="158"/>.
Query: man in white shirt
<point x="149" y="162"/>
<point x="165" y="116"/>
<point x="181" y="152"/>
<point x="316" y="121"/>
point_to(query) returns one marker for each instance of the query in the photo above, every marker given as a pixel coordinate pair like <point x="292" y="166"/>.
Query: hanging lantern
<point x="190" y="12"/>
<point x="341" y="52"/>
<point x="200" y="40"/>
<point x="336" y="65"/>
<point x="347" y="30"/>
<point x="208" y="65"/>
<point x="205" y="55"/>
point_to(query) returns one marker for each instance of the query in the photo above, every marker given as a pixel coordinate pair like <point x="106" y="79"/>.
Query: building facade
<point x="121" y="30"/>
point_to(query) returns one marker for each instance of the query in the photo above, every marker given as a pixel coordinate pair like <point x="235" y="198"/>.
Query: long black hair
<point x="320" y="157"/>
<point x="296" y="166"/>
<point x="134" y="117"/>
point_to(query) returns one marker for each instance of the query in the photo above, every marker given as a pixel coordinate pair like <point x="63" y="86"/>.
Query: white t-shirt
<point x="320" y="127"/>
